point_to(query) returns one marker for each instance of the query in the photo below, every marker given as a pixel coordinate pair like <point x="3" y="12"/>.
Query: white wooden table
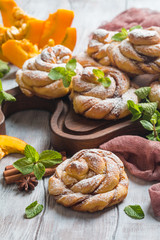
<point x="57" y="222"/>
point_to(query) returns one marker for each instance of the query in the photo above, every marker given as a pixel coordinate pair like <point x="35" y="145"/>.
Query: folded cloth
<point x="142" y="158"/>
<point x="133" y="17"/>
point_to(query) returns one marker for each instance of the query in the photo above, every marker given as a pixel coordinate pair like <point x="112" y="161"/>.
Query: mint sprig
<point x="5" y="96"/>
<point x="64" y="73"/>
<point x="134" y="211"/>
<point x="124" y="33"/>
<point x="147" y="112"/>
<point x="33" y="209"/>
<point x="106" y="81"/>
<point x="35" y="162"/>
<point x="4" y="68"/>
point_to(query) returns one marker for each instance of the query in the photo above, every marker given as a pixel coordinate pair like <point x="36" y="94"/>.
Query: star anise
<point x="27" y="183"/>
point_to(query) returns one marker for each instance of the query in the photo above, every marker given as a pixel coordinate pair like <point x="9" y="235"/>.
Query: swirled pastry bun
<point x="154" y="95"/>
<point x="93" y="100"/>
<point x="91" y="180"/>
<point x="138" y="54"/>
<point x="33" y="77"/>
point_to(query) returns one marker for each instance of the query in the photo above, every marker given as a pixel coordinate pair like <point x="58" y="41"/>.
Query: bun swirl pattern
<point x="93" y="100"/>
<point x="138" y="54"/>
<point x="33" y="78"/>
<point x="91" y="180"/>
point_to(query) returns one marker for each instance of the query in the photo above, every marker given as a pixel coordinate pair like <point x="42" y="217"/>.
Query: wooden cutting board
<point x="69" y="131"/>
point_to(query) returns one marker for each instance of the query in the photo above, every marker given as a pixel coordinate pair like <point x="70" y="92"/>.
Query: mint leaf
<point x="50" y="158"/>
<point x="106" y="82"/>
<point x="68" y="78"/>
<point x="4" y="68"/>
<point x="151" y="137"/>
<point x="1" y="88"/>
<point x="154" y="118"/>
<point x="143" y="92"/>
<point x="33" y="209"/>
<point x="30" y="152"/>
<point x="134" y="211"/>
<point x="157" y="129"/>
<point x="24" y="165"/>
<point x="5" y="96"/>
<point x="71" y="64"/>
<point x="121" y="35"/>
<point x="134" y="109"/>
<point x="65" y="74"/>
<point x="148" y="108"/>
<point x="39" y="170"/>
<point x="147" y="125"/>
<point x="57" y="73"/>
<point x="124" y="31"/>
<point x="98" y="73"/>
<point x="135" y="27"/>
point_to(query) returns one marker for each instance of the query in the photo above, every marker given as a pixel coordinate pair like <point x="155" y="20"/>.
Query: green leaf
<point x="50" y="158"/>
<point x="121" y="35"/>
<point x="135" y="27"/>
<point x="134" y="211"/>
<point x="151" y="136"/>
<point x="158" y="138"/>
<point x="147" y="125"/>
<point x="33" y="209"/>
<point x="71" y="65"/>
<point x="124" y="31"/>
<point x="143" y="92"/>
<point x="4" y="68"/>
<point x="106" y="82"/>
<point x="1" y="88"/>
<point x="7" y="96"/>
<point x="136" y="116"/>
<point x="157" y="129"/>
<point x="30" y="152"/>
<point x="39" y="170"/>
<point x="148" y="108"/>
<point x="98" y="73"/>
<point x="68" y="78"/>
<point x="64" y="74"/>
<point x="24" y="165"/>
<point x="134" y="109"/>
<point x="57" y="73"/>
<point x="154" y="119"/>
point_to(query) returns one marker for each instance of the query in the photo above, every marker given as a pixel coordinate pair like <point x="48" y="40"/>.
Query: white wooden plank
<point x="32" y="127"/>
<point x="131" y="229"/>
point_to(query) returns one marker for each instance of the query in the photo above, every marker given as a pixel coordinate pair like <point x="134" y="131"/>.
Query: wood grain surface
<point x="57" y="222"/>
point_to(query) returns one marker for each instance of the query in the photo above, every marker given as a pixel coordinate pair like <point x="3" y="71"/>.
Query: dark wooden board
<point x="69" y="131"/>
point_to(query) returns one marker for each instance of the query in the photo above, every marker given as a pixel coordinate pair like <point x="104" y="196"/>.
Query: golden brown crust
<point x="33" y="77"/>
<point x="154" y="95"/>
<point x="136" y="55"/>
<point x="93" y="100"/>
<point x="90" y="181"/>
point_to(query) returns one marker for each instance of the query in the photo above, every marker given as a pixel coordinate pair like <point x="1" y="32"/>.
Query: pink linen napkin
<point x="142" y="158"/>
<point x="132" y="17"/>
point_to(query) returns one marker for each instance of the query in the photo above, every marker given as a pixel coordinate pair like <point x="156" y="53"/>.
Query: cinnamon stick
<point x="11" y="174"/>
<point x="17" y="176"/>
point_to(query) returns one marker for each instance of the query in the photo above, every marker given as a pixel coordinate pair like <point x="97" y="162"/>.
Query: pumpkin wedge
<point x="70" y="38"/>
<point x="34" y="30"/>
<point x="11" y="145"/>
<point x="55" y="26"/>
<point x="6" y="7"/>
<point x="18" y="51"/>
